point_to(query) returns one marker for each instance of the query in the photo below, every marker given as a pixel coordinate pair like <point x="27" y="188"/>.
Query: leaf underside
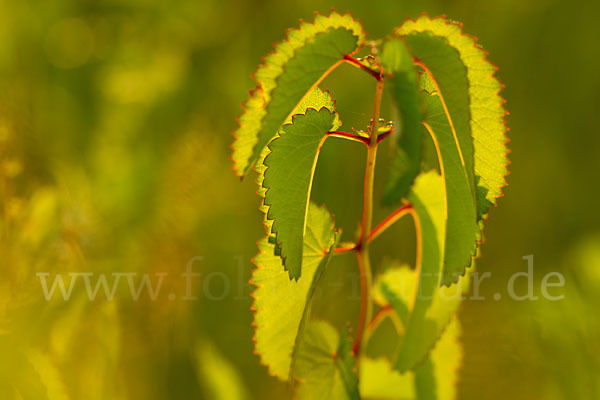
<point x="288" y="179"/>
<point x="288" y="74"/>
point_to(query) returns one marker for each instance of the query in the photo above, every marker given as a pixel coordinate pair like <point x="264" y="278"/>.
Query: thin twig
<point x="389" y="221"/>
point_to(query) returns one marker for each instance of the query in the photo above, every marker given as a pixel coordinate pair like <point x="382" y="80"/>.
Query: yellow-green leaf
<point x="424" y="306"/>
<point x="462" y="230"/>
<point x="325" y="365"/>
<point x="485" y="103"/>
<point x="434" y="379"/>
<point x="288" y="180"/>
<point x="316" y="99"/>
<point x="282" y="305"/>
<point x="288" y="74"/>
<point x="451" y="134"/>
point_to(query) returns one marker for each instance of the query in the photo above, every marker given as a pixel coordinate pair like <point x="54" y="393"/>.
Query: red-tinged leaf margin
<point x="327" y="252"/>
<point x="458" y="34"/>
<point x="317" y="98"/>
<point x="272" y="209"/>
<point x="255" y="106"/>
<point x="473" y="41"/>
<point x="260" y="168"/>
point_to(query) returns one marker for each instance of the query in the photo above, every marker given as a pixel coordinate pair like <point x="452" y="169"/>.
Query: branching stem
<point x="357" y="138"/>
<point x="364" y="261"/>
<point x="389" y="221"/>
<point x="349" y="136"/>
<point x="384" y="312"/>
<point x="358" y="64"/>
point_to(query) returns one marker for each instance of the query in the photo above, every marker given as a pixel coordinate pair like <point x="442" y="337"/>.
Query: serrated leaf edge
<point x="256" y="310"/>
<point x="259" y="92"/>
<point x="495" y="68"/>
<point x="480" y="240"/>
<point x="312" y="175"/>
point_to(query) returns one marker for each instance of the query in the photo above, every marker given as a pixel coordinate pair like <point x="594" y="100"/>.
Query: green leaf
<point x="288" y="74"/>
<point x="462" y="230"/>
<point x="396" y="287"/>
<point x="448" y="123"/>
<point x="379" y="381"/>
<point x="316" y="99"/>
<point x="447" y="357"/>
<point x="434" y="379"/>
<point x="423" y="305"/>
<point x="403" y="78"/>
<point x="487" y="111"/>
<point x="288" y="180"/>
<point x="325" y="365"/>
<point x="442" y="63"/>
<point x="282" y="305"/>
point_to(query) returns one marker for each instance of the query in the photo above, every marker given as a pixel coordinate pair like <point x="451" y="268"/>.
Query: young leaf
<point x="403" y="78"/>
<point x="280" y="304"/>
<point x="427" y="310"/>
<point x="288" y="74"/>
<point x="486" y="107"/>
<point x="325" y="365"/>
<point x="288" y="179"/>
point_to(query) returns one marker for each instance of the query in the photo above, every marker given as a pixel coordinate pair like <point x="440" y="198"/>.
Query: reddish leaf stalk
<point x="350" y="136"/>
<point x="389" y="221"/>
<point x="357" y="138"/>
<point x="356" y="63"/>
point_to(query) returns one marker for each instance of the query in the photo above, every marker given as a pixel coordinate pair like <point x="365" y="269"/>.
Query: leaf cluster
<point x="442" y="86"/>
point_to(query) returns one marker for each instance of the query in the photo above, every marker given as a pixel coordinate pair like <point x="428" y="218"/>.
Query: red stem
<point x="384" y="135"/>
<point x="345" y="249"/>
<point x="389" y="220"/>
<point x="358" y="138"/>
<point x="356" y="63"/>
<point x="378" y="317"/>
<point x="350" y="136"/>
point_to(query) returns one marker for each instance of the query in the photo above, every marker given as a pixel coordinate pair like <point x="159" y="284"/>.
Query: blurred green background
<point x="115" y="121"/>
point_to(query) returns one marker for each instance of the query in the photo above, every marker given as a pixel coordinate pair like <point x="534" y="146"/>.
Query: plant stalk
<point x="364" y="261"/>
